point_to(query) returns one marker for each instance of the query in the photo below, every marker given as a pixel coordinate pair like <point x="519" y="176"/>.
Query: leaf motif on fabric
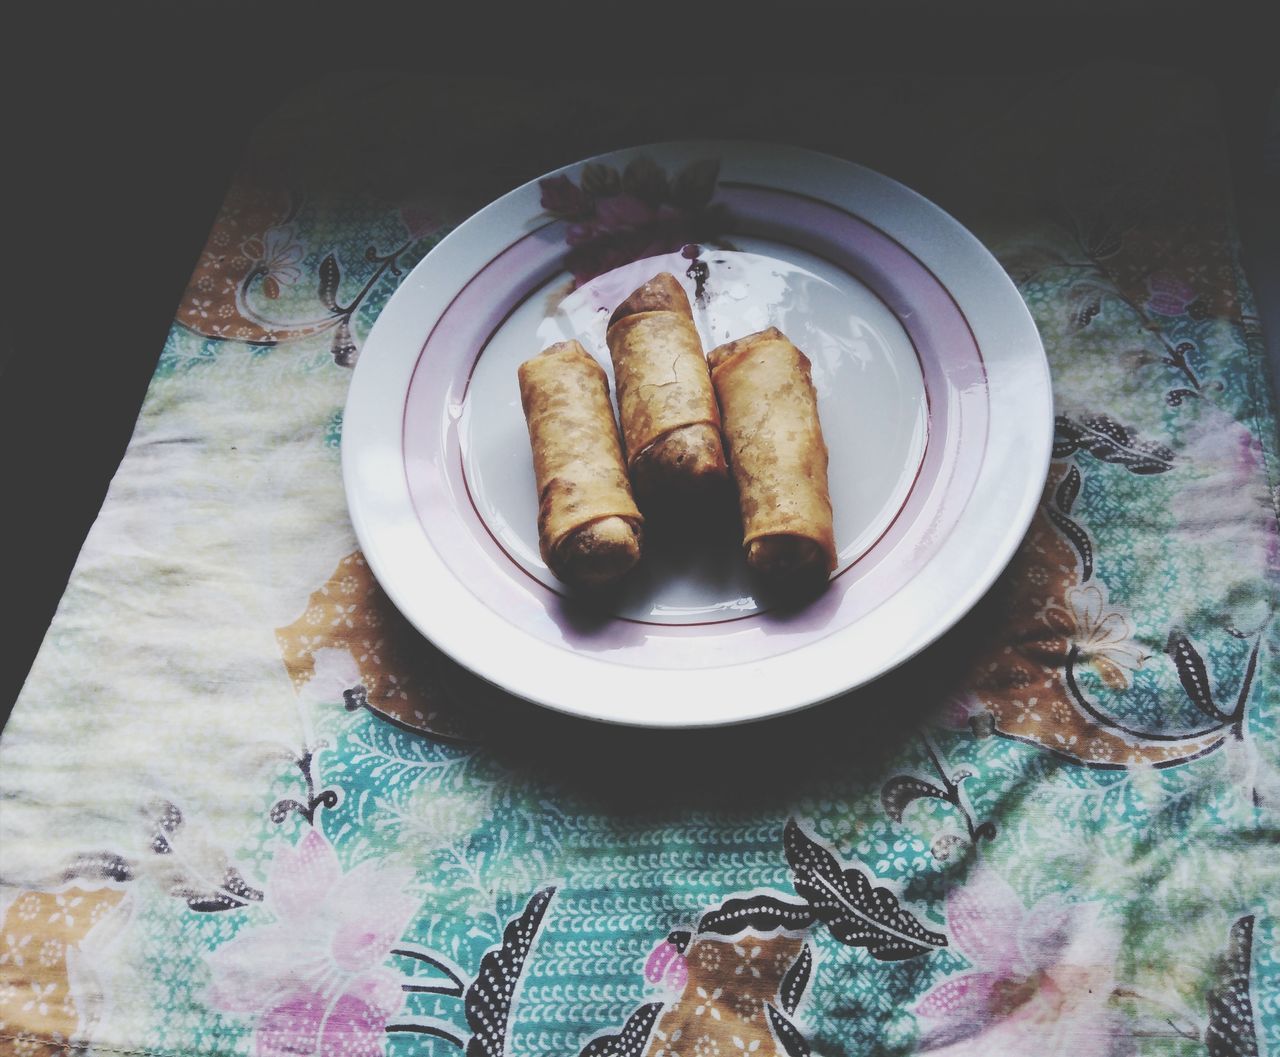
<point x="1231" y="1032"/>
<point x="1106" y="439"/>
<point x="795" y="980"/>
<point x="631" y="1040"/>
<point x="488" y="999"/>
<point x="857" y="913"/>
<point x="330" y="276"/>
<point x="98" y="866"/>
<point x="787" y="1034"/>
<point x="761" y="913"/>
<point x="343" y="347"/>
<point x="1066" y="437"/>
<point x="902" y="789"/>
<point x="1068" y="489"/>
<point x="1192" y="674"/>
<point x="1109" y="441"/>
<point x="1247" y="682"/>
<point x="238" y="887"/>
<point x="196" y="872"/>
<point x="1078" y="538"/>
<point x="208" y="904"/>
<point x="1084" y="304"/>
<point x="234" y="892"/>
<point x="167" y="821"/>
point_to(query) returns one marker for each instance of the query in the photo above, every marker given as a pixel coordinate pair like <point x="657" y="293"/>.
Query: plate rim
<point x="364" y="498"/>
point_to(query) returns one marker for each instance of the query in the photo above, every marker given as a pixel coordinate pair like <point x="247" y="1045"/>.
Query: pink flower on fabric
<point x="668" y="967"/>
<point x="1040" y="981"/>
<point x="1169" y="296"/>
<point x="306" y="1022"/>
<point x="314" y="976"/>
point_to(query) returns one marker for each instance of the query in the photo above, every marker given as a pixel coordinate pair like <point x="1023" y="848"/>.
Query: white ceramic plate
<point x="933" y="392"/>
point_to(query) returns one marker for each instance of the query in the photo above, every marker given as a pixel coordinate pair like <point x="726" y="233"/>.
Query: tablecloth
<point x="245" y="810"/>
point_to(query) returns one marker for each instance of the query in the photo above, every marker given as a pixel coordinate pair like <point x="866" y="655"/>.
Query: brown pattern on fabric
<point x="41" y="1011"/>
<point x="721" y="1010"/>
<point x="1207" y="277"/>
<point x="245" y="241"/>
<point x="1021" y="676"/>
<point x="402" y="676"/>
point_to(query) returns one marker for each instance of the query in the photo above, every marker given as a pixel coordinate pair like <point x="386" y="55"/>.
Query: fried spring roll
<point x="589" y="530"/>
<point x="779" y="459"/>
<point x="670" y="421"/>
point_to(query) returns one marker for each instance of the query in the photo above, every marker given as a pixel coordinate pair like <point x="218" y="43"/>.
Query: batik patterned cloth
<point x="247" y="811"/>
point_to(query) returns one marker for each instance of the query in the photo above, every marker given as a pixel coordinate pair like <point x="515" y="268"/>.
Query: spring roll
<point x="589" y="530"/>
<point x="779" y="459"/>
<point x="670" y="421"/>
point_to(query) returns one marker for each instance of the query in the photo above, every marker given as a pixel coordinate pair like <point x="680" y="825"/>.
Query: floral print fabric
<point x="247" y="811"/>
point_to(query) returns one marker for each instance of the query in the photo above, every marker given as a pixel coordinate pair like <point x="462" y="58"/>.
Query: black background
<point x="123" y="129"/>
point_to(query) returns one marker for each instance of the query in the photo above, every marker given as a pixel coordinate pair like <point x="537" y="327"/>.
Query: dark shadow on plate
<point x="694" y="538"/>
<point x="783" y="599"/>
<point x="588" y="611"/>
<point x="678" y="530"/>
<point x="691" y="532"/>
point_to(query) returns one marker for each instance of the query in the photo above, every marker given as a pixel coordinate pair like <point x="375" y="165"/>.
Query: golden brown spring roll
<point x="670" y="421"/>
<point x="589" y="530"/>
<point x="778" y="456"/>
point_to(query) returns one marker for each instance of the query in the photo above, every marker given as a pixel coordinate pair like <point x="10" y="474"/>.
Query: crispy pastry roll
<point x="670" y="421"/>
<point x="779" y="459"/>
<point x="589" y="530"/>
